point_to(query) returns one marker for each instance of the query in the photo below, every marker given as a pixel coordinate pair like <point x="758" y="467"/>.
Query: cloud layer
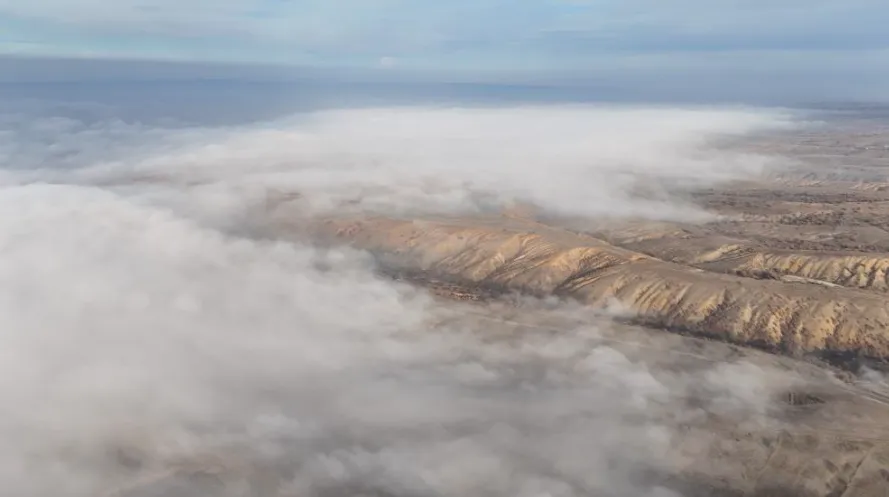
<point x="349" y="24"/>
<point x="143" y="331"/>
<point x="542" y="33"/>
<point x="568" y="159"/>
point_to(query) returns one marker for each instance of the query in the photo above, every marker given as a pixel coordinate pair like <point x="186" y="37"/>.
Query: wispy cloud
<point x="490" y="30"/>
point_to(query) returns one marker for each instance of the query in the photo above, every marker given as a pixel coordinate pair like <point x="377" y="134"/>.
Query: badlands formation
<point x="797" y="263"/>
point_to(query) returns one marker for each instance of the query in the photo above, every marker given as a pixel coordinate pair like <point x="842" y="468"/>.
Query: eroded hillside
<point x="793" y="316"/>
<point x="795" y="263"/>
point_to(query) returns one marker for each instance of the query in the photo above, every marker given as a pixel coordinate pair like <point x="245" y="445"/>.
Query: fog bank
<point x="143" y="331"/>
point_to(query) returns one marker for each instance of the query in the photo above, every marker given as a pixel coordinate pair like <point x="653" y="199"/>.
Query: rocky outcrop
<point x="790" y="316"/>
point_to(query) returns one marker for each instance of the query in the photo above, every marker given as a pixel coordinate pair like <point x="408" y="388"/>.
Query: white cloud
<point x="134" y="325"/>
<point x="309" y="24"/>
<point x="578" y="160"/>
<point x="493" y="26"/>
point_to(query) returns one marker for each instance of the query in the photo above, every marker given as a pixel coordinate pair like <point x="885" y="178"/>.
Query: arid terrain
<point x="797" y="263"/>
<point x="792" y="274"/>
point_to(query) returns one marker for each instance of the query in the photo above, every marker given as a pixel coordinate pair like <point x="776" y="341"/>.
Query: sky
<point x="458" y="34"/>
<point x="750" y="50"/>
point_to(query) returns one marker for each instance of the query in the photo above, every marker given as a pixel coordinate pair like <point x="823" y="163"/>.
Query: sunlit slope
<point x="791" y="316"/>
<point x="868" y="271"/>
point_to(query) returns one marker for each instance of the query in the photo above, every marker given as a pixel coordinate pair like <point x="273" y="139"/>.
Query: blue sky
<point x="776" y="49"/>
<point x="443" y="34"/>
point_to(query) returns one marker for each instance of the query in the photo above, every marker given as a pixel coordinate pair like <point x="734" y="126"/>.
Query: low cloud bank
<point x="141" y="333"/>
<point x="572" y="159"/>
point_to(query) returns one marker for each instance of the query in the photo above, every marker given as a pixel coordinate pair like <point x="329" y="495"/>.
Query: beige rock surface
<point x="789" y="316"/>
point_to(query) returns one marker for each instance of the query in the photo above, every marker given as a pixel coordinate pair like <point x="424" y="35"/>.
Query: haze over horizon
<point x="783" y="51"/>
